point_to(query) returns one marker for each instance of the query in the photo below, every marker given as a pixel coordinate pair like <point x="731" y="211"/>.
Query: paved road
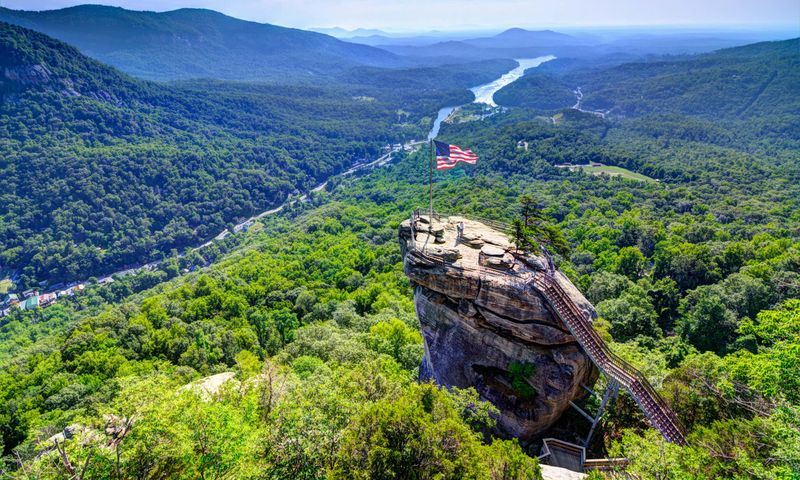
<point x="579" y="97"/>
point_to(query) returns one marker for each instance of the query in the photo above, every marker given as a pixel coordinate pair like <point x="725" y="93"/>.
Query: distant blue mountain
<point x="521" y="43"/>
<point x="519" y="37"/>
<point x="511" y="43"/>
<point x="339" y="32"/>
<point x="197" y="43"/>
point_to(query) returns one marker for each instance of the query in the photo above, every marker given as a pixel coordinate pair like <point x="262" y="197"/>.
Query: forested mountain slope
<point x="102" y="170"/>
<point x="762" y="79"/>
<point x="196" y="43"/>
<point x="693" y="281"/>
<point x="696" y="279"/>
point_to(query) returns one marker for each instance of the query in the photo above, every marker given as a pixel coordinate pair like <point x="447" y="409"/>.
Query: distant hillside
<point x="29" y="61"/>
<point x="519" y="37"/>
<point x="196" y="43"/>
<point x="339" y="32"/>
<point x="382" y="41"/>
<point x="484" y="49"/>
<point x="758" y="79"/>
<point x="511" y="43"/>
<point x="586" y="46"/>
<point x="99" y="170"/>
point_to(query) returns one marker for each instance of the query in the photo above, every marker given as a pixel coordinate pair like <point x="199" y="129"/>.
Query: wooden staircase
<point x="660" y="415"/>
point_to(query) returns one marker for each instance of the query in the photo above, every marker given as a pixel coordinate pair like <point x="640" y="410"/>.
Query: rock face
<point x="209" y="386"/>
<point x="486" y="326"/>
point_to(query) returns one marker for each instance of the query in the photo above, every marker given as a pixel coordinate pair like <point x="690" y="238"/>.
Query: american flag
<point x="448" y="156"/>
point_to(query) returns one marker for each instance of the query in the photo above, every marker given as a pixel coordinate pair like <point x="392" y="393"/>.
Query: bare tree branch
<point x="65" y="460"/>
<point x="86" y="463"/>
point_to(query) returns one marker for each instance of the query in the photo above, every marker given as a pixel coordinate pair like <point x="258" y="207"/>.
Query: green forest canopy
<point x="101" y="170"/>
<point x="696" y="279"/>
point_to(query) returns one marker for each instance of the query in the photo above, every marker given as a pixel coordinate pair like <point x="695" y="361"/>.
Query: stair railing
<point x="657" y="411"/>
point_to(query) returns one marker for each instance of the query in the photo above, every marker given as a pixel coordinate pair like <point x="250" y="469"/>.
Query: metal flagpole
<point x="430" y="186"/>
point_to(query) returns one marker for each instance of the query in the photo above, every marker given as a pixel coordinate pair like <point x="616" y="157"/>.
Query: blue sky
<point x="420" y="15"/>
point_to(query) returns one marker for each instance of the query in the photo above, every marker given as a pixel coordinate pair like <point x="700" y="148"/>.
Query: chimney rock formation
<point x="486" y="326"/>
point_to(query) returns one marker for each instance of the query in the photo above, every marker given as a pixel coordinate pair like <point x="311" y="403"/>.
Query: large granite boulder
<point x="486" y="326"/>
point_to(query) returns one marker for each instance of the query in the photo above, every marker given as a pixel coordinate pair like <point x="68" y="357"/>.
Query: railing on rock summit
<point x="439" y="216"/>
<point x="652" y="405"/>
<point x="429" y="253"/>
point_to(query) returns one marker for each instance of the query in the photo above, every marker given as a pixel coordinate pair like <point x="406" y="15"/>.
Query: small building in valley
<point x="47" y="299"/>
<point x="30" y="303"/>
<point x="11" y="299"/>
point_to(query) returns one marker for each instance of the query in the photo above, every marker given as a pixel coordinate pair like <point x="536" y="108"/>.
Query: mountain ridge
<point x="729" y="82"/>
<point x="196" y="43"/>
<point x="519" y="38"/>
<point x="123" y="168"/>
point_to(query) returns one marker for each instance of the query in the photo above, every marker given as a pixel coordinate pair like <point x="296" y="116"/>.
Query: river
<point x="437" y="124"/>
<point x="485" y="93"/>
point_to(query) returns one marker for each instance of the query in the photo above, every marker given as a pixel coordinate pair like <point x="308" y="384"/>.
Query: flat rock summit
<point x="486" y="326"/>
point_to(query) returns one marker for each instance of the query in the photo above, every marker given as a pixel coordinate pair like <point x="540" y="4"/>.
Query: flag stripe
<point x="451" y="160"/>
<point x="448" y="156"/>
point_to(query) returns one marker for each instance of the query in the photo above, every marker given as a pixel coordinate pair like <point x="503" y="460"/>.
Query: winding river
<point x="485" y="93"/>
<point x="437" y="124"/>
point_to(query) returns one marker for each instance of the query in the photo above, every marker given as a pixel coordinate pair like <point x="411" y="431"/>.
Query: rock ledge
<point x="486" y="326"/>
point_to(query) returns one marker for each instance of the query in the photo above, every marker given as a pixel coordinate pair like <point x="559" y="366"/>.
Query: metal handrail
<point x="601" y="344"/>
<point x="622" y="371"/>
<point x="427" y="255"/>
<point x="605" y="464"/>
<point x="438" y="216"/>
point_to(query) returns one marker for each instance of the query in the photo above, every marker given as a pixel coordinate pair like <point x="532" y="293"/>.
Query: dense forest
<point x="100" y="170"/>
<point x="696" y="278"/>
<point x="703" y="305"/>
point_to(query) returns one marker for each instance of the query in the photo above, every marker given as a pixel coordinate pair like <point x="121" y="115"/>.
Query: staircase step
<point x="657" y="412"/>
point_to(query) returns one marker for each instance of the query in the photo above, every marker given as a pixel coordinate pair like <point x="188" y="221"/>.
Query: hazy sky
<point x="460" y="14"/>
